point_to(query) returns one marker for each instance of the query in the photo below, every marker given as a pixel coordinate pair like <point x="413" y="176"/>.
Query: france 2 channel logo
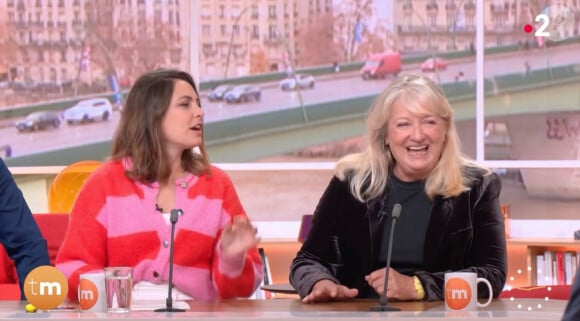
<point x="541" y="31"/>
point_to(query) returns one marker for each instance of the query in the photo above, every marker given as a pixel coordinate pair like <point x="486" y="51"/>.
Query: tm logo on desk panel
<point x="45" y="287"/>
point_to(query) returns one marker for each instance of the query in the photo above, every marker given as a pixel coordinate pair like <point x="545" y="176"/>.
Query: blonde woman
<point x="450" y="219"/>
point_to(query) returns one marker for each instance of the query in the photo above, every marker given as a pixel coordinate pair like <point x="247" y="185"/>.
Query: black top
<point x="410" y="228"/>
<point x="572" y="312"/>
<point x="465" y="233"/>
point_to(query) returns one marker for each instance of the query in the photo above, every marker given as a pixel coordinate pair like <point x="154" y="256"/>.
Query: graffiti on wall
<point x="560" y="128"/>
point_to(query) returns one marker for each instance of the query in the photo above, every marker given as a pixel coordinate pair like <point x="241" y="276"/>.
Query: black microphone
<point x="383" y="299"/>
<point x="169" y="301"/>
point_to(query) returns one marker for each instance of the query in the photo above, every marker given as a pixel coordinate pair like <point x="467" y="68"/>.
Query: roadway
<point x="327" y="89"/>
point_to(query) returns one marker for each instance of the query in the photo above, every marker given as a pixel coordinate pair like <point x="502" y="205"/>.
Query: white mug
<point x="461" y="291"/>
<point x="92" y="294"/>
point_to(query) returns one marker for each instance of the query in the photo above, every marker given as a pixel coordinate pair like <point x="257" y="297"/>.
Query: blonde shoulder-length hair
<point x="368" y="170"/>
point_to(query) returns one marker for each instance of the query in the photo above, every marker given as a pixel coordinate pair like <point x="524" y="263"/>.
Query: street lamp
<point x="294" y="75"/>
<point x="430" y="49"/>
<point x="92" y="36"/>
<point x="455" y="21"/>
<point x="236" y="22"/>
<point x="424" y="25"/>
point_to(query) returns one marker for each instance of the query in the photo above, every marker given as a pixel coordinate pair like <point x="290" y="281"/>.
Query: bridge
<point x="253" y="136"/>
<point x="540" y="108"/>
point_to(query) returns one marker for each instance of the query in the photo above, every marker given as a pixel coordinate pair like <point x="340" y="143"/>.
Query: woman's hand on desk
<point x="400" y="286"/>
<point x="326" y="290"/>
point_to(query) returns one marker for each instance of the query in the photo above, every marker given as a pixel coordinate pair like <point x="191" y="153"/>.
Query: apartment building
<point x="443" y="25"/>
<point x="239" y="37"/>
<point x="56" y="41"/>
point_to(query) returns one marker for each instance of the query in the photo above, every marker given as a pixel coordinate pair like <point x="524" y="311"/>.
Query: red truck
<point x="381" y="65"/>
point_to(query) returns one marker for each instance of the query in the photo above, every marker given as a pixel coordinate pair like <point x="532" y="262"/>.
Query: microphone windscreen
<point x="174" y="214"/>
<point x="397" y="210"/>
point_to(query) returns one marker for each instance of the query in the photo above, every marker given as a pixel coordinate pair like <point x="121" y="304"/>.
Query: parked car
<point x="89" y="110"/>
<point x="218" y="92"/>
<point x="433" y="64"/>
<point x="243" y="93"/>
<point x="38" y="120"/>
<point x="48" y="87"/>
<point x="27" y="85"/>
<point x="298" y="81"/>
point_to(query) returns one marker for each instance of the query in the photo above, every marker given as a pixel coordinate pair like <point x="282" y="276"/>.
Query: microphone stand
<point x="169" y="301"/>
<point x="383" y="299"/>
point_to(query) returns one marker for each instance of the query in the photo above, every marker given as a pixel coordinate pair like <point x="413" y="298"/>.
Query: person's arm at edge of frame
<point x="487" y="253"/>
<point x="84" y="246"/>
<point x="248" y="271"/>
<point x="19" y="233"/>
<point x="311" y="262"/>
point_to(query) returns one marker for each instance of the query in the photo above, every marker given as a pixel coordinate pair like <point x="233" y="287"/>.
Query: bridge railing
<point x="257" y="124"/>
<point x="265" y="124"/>
<point x="514" y="82"/>
<point x="21" y="111"/>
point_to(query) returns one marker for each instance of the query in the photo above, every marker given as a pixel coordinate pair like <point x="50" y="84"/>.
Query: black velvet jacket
<point x="465" y="233"/>
<point x="572" y="312"/>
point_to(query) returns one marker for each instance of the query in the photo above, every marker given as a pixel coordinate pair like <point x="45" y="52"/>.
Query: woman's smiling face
<point x="416" y="141"/>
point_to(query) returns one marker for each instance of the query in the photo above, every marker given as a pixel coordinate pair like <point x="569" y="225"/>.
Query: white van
<point x="89" y="110"/>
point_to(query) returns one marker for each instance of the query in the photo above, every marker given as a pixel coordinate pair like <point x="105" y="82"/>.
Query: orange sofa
<point x="53" y="228"/>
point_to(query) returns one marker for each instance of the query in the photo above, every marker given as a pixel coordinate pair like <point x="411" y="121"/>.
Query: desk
<point x="292" y="309"/>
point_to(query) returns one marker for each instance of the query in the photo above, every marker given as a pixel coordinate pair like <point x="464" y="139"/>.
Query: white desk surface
<point x="293" y="309"/>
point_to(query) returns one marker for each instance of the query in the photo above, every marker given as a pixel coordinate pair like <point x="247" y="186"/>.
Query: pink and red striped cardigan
<point x="114" y="223"/>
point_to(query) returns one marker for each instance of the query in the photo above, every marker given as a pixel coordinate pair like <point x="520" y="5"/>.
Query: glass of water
<point x="118" y="285"/>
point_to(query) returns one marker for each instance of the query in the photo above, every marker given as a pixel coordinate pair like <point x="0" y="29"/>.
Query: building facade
<point x="443" y="25"/>
<point x="240" y="37"/>
<point x="57" y="42"/>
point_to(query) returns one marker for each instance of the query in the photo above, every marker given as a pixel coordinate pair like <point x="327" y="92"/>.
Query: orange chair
<point x="53" y="228"/>
<point x="67" y="184"/>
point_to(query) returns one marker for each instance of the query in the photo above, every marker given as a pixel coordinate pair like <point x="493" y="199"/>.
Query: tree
<point x="99" y="32"/>
<point x="258" y="61"/>
<point x="146" y="50"/>
<point x="318" y="32"/>
<point x="374" y="42"/>
<point x="379" y="39"/>
<point x="130" y="44"/>
<point x="8" y="50"/>
<point x="349" y="26"/>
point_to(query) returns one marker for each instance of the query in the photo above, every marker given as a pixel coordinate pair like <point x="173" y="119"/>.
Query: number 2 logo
<point x="541" y="32"/>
